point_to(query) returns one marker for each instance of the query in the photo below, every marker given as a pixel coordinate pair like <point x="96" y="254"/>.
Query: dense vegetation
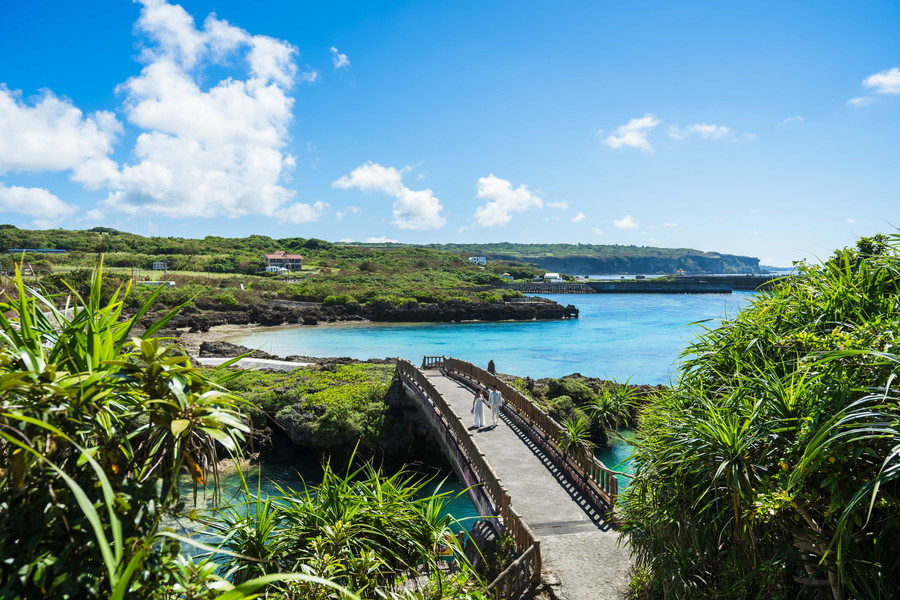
<point x="330" y="409"/>
<point x="772" y="469"/>
<point x="96" y="426"/>
<point x="610" y="258"/>
<point x="588" y="409"/>
<point x="226" y="271"/>
<point x="214" y="254"/>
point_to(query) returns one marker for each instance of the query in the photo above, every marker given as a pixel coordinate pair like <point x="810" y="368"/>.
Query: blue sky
<point x="769" y="129"/>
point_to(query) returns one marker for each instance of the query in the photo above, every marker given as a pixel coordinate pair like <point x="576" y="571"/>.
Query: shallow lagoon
<point x="618" y="336"/>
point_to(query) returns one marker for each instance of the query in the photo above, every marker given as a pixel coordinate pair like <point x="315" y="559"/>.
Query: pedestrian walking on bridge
<point x="495" y="400"/>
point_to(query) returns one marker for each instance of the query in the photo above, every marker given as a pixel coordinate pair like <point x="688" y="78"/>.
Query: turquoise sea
<point x="617" y="336"/>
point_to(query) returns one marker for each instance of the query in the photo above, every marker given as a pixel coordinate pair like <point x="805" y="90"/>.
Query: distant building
<point x="279" y="270"/>
<point x="160" y="265"/>
<point x="478" y="260"/>
<point x="552" y="278"/>
<point x="282" y="260"/>
<point x="506" y="276"/>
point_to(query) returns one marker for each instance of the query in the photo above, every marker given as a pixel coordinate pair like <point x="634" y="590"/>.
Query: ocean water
<point x="638" y="338"/>
<point x="617" y="336"/>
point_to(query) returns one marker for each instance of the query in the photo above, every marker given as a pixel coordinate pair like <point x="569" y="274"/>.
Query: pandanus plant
<point x="97" y="422"/>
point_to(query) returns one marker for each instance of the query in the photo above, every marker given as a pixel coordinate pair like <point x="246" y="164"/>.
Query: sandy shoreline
<point x="191" y="341"/>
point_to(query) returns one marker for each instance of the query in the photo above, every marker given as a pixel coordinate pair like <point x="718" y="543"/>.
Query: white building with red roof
<point x="283" y="260"/>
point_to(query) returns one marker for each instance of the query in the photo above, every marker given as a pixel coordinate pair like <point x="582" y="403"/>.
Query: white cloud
<point x="633" y="134"/>
<point x="413" y="209"/>
<point x="47" y="209"/>
<point x="302" y="213"/>
<point x="350" y="210"/>
<point x="702" y="130"/>
<point x="207" y="151"/>
<point x="340" y="61"/>
<point x="52" y="134"/>
<point x="885" y="82"/>
<point x="789" y="120"/>
<point x="626" y="222"/>
<point x="861" y="101"/>
<point x="596" y="231"/>
<point x="578" y="218"/>
<point x="310" y="76"/>
<point x="561" y="205"/>
<point x="381" y="240"/>
<point x="669" y="224"/>
<point x="851" y="220"/>
<point x="502" y="201"/>
<point x="750" y="136"/>
<point x="372" y="177"/>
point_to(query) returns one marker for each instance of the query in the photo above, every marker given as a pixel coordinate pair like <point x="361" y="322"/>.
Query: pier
<point x="686" y="284"/>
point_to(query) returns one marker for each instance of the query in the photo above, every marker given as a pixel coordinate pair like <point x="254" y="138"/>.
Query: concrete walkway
<point x="580" y="551"/>
<point x="252" y="363"/>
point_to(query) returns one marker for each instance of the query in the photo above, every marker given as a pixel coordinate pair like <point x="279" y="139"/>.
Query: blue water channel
<point x="618" y="336"/>
<point x="636" y="338"/>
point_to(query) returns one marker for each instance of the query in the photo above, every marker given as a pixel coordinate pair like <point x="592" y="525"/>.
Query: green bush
<point x="772" y="469"/>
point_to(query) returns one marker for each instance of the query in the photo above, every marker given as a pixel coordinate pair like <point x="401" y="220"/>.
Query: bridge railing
<point x="527" y="567"/>
<point x="595" y="478"/>
<point x="432" y="362"/>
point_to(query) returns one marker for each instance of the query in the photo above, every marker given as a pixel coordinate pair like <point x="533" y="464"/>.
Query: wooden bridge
<point x="556" y="505"/>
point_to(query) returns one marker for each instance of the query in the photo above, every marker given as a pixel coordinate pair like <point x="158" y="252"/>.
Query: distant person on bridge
<point x="478" y="408"/>
<point x="495" y="400"/>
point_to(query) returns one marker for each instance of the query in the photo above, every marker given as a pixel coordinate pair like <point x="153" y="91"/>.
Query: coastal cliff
<point x="689" y="263"/>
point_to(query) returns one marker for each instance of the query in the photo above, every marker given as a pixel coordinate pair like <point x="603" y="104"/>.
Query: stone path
<point x="579" y="550"/>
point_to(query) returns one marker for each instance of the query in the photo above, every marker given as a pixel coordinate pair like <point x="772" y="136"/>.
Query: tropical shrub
<point x="372" y="532"/>
<point x="772" y="469"/>
<point x="96" y="423"/>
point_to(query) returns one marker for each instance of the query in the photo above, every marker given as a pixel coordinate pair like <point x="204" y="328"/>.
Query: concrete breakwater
<point x="691" y="284"/>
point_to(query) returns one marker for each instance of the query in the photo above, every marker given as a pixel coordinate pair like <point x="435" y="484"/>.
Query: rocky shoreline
<point x="202" y="317"/>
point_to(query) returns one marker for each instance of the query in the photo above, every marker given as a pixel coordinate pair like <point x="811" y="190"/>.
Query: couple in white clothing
<point x="493" y="400"/>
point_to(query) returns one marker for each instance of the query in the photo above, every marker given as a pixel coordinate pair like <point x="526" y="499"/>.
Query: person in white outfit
<point x="478" y="409"/>
<point x="495" y="399"/>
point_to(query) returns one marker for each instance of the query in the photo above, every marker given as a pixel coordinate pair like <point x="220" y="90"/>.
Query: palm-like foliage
<point x="92" y="415"/>
<point x="772" y="468"/>
<point x="575" y="436"/>
<point x="372" y="532"/>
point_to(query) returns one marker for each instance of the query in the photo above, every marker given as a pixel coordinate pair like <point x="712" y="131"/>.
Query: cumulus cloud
<point x="503" y="200"/>
<point x="51" y="134"/>
<point x="560" y="205"/>
<point x="412" y="209"/>
<point x="883" y="82"/>
<point x="340" y="61"/>
<point x="207" y="151"/>
<point x="633" y="134"/>
<point x="381" y="240"/>
<point x="626" y="222"/>
<point x="702" y="130"/>
<point x="578" y="218"/>
<point x="47" y="209"/>
<point x="299" y="212"/>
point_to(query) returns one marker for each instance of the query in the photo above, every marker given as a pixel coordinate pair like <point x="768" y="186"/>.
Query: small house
<point x="283" y="260"/>
<point x="478" y="260"/>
